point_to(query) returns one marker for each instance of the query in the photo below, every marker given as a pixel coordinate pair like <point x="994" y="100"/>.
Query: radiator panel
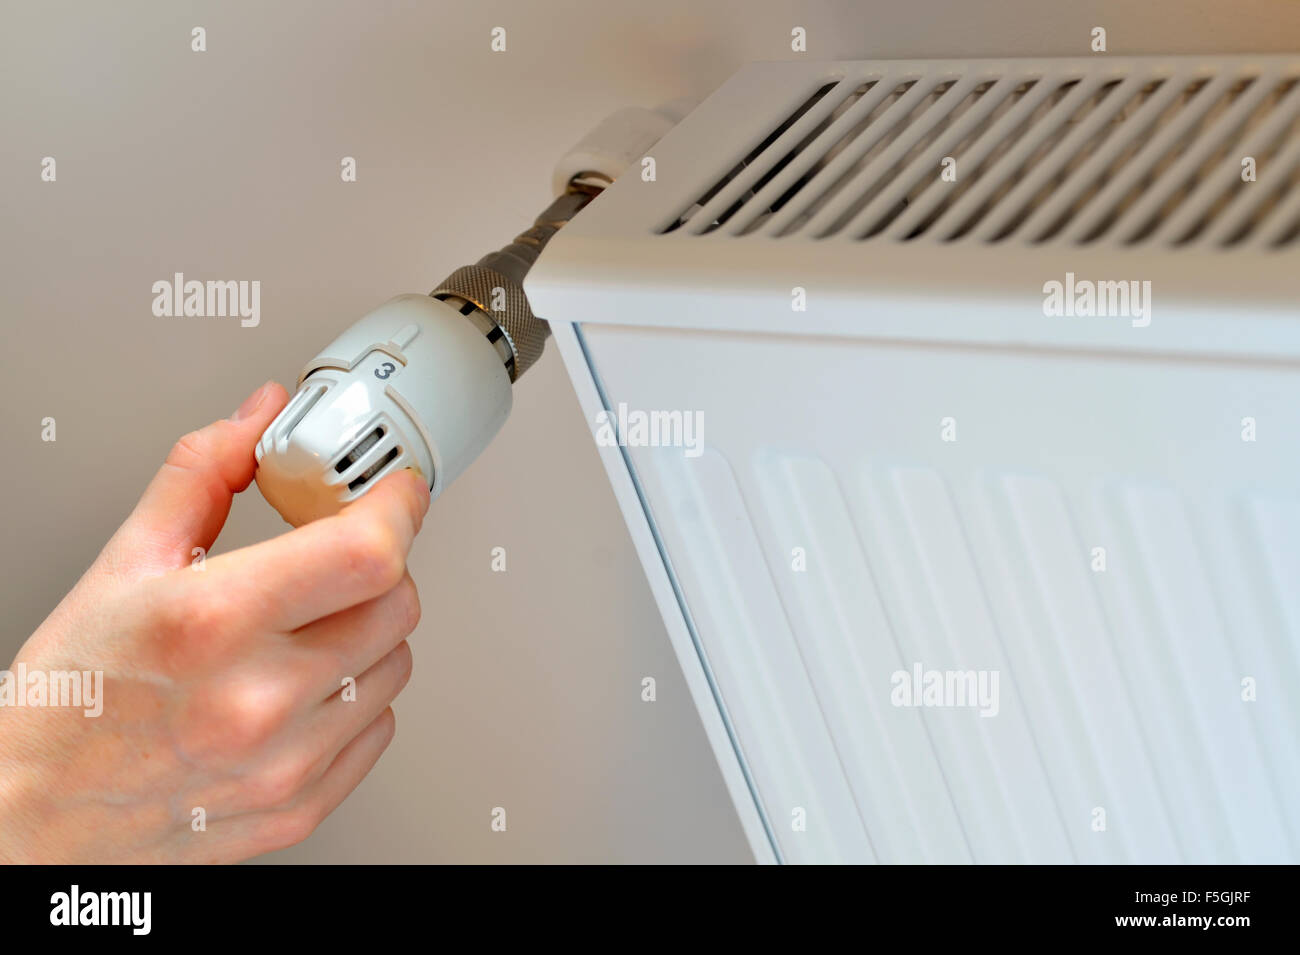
<point x="801" y="273"/>
<point x="1120" y="689"/>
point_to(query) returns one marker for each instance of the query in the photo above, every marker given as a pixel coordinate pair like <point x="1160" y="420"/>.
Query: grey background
<point x="225" y="165"/>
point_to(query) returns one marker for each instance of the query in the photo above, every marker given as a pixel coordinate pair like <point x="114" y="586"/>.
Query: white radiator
<point x="944" y="469"/>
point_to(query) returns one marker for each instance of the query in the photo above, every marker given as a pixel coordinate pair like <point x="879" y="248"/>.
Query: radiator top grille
<point x="1167" y="152"/>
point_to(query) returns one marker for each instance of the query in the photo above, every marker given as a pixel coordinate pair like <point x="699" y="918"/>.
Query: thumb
<point x="187" y="502"/>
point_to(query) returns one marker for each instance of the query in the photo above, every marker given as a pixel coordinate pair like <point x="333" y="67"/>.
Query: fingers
<point x="343" y="716"/>
<point x="323" y="567"/>
<point x="276" y="737"/>
<point x="340" y="719"/>
<point x="311" y="743"/>
<point x="351" y="641"/>
<point x="350" y="766"/>
<point x="255" y="833"/>
<point x="188" y="500"/>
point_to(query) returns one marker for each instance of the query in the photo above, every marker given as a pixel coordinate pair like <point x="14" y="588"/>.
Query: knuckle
<point x="196" y="452"/>
<point x="404" y="662"/>
<point x="376" y="556"/>
<point x="187" y="452"/>
<point x="388" y="720"/>
<point x="279" y="783"/>
<point x="288" y="828"/>
<point x="248" y="714"/>
<point x="407" y="605"/>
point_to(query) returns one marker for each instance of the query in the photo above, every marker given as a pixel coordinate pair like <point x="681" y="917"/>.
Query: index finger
<point x="330" y="564"/>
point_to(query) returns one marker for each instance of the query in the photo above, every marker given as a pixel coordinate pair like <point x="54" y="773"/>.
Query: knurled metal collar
<point x="524" y="331"/>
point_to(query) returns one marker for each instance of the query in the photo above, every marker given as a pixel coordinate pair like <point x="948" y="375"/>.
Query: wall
<point x="225" y="165"/>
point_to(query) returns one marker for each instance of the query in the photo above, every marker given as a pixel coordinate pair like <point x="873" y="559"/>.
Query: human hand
<point x="222" y="678"/>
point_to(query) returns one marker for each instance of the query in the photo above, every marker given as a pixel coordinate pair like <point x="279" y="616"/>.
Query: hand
<point x="222" y="686"/>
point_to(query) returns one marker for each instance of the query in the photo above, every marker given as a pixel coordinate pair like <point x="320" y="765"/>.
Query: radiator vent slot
<point x="1145" y="152"/>
<point x="773" y="165"/>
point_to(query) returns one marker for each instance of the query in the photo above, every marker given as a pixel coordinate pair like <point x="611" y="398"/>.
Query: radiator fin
<point x="1145" y="152"/>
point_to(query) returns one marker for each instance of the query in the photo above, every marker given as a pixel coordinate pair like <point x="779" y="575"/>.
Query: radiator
<point x="985" y="545"/>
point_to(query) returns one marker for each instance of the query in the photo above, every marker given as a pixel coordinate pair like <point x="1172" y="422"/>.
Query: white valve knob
<point x="415" y="384"/>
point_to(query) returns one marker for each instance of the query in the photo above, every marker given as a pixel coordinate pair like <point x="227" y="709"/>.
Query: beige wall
<point x="225" y="165"/>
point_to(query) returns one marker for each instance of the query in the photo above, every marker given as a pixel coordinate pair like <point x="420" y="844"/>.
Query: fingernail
<point x="251" y="403"/>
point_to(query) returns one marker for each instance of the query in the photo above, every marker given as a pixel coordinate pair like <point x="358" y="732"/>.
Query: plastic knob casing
<point x="412" y="384"/>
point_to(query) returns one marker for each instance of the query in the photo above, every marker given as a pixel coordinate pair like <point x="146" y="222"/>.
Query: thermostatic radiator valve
<point x="424" y="381"/>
